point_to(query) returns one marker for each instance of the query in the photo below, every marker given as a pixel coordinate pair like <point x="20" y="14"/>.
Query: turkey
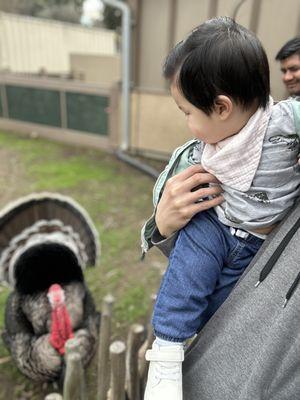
<point x="46" y="242"/>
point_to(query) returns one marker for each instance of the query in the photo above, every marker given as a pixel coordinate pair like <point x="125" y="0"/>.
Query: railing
<point x="55" y="106"/>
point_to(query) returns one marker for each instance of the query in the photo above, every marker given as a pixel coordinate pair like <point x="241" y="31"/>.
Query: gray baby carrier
<point x="250" y="348"/>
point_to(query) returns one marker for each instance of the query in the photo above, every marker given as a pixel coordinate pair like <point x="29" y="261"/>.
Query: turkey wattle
<point x="61" y="328"/>
<point x="46" y="240"/>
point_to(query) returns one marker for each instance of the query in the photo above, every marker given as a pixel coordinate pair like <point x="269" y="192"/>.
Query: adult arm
<point x="179" y="203"/>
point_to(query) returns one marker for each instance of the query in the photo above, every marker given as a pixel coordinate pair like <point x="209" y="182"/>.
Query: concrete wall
<point x="104" y="70"/>
<point x="28" y="44"/>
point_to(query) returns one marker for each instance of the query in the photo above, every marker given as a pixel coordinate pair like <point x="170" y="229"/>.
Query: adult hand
<point x="178" y="203"/>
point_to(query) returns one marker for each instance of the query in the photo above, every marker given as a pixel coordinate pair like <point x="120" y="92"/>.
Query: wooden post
<point x="74" y="379"/>
<point x="103" y="357"/>
<point x="143" y="364"/>
<point x="107" y="304"/>
<point x="71" y="347"/>
<point x="117" y="357"/>
<point x="135" y="338"/>
<point x="63" y="109"/>
<point x="3" y="95"/>
<point x="53" y="396"/>
<point x="103" y="375"/>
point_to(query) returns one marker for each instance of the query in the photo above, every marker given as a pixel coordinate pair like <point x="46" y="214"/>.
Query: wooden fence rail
<point x="121" y="368"/>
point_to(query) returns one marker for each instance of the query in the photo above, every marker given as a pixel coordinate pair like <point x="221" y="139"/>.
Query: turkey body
<point x="28" y="324"/>
<point x="47" y="239"/>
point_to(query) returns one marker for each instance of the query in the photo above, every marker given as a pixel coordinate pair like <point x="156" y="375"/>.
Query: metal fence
<point x="54" y="106"/>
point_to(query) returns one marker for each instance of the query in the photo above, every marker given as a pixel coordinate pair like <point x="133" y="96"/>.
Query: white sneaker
<point x="165" y="373"/>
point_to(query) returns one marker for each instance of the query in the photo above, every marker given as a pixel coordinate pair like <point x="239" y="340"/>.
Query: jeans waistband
<point x="240" y="233"/>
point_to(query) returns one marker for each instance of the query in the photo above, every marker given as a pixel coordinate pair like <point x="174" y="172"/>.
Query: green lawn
<point x="118" y="199"/>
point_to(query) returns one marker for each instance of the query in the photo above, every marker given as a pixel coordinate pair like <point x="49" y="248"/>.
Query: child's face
<point x="207" y="128"/>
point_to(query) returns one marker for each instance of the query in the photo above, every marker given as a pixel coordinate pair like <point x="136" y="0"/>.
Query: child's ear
<point x="223" y="106"/>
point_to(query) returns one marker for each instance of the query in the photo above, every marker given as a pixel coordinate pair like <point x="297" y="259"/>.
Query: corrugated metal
<point x="28" y="44"/>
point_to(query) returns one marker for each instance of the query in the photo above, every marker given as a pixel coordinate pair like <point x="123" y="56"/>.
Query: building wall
<point x="278" y="21"/>
<point x="154" y="42"/>
<point x="187" y="20"/>
<point x="29" y="44"/>
<point x="104" y="70"/>
<point x="157" y="125"/>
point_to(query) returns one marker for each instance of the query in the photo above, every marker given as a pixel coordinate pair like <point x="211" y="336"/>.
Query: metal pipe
<point x="147" y="169"/>
<point x="237" y="9"/>
<point x="126" y="101"/>
<point x="126" y="68"/>
<point x="213" y="8"/>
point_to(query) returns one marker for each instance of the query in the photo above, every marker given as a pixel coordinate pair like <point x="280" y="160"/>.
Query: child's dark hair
<point x="220" y="57"/>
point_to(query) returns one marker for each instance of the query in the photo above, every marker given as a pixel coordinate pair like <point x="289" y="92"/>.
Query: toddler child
<point x="219" y="77"/>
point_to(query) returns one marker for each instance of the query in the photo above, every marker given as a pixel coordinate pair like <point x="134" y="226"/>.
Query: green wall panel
<point x="87" y="112"/>
<point x="41" y="106"/>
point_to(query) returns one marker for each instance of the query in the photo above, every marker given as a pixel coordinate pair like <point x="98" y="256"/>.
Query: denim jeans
<point x="204" y="265"/>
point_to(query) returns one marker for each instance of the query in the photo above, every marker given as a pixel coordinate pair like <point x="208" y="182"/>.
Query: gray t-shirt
<point x="276" y="184"/>
<point x="274" y="189"/>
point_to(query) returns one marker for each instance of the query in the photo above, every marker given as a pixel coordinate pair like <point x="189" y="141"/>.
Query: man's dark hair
<point x="220" y="57"/>
<point x="290" y="48"/>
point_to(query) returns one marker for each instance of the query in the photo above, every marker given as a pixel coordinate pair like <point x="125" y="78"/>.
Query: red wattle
<point x="61" y="328"/>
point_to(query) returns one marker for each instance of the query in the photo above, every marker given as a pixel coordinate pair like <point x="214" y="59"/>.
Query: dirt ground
<point x="11" y="176"/>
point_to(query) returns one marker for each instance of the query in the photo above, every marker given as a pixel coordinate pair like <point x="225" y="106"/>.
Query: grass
<point x="118" y="199"/>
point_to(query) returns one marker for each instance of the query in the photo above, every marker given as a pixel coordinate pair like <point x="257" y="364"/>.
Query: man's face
<point x="290" y="68"/>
